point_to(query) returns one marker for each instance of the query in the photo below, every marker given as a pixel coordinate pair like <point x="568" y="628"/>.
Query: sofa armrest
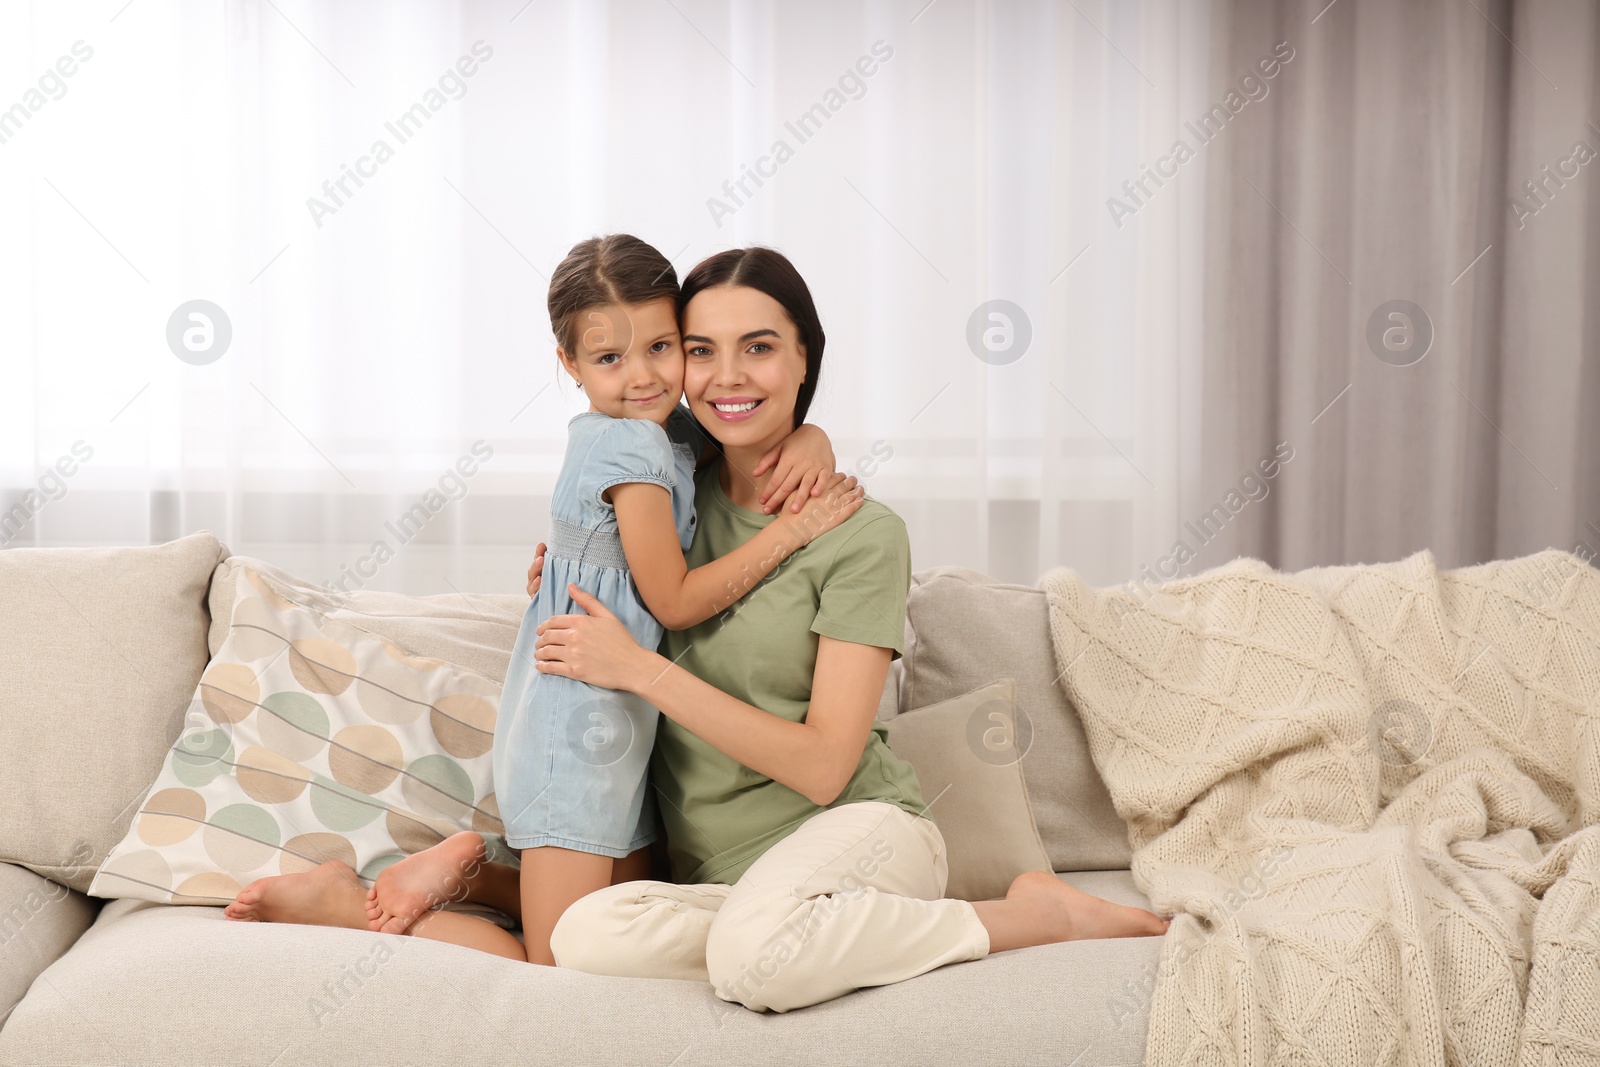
<point x="39" y="921"/>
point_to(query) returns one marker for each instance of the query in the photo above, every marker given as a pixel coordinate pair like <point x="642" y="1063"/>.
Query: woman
<point x="808" y="866"/>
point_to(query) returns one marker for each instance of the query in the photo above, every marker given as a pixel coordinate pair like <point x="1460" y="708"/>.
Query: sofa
<point x="105" y="651"/>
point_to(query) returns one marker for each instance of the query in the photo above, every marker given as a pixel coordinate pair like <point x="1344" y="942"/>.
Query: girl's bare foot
<point x="423" y="881"/>
<point x="328" y="895"/>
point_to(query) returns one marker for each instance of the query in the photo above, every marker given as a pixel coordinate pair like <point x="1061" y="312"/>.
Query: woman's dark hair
<point x="769" y="271"/>
<point x="615" y="269"/>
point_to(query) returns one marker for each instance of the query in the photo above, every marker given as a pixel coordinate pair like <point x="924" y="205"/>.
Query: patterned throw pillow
<point x="309" y="740"/>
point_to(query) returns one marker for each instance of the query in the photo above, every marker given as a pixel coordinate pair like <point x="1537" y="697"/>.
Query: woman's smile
<point x="734" y="408"/>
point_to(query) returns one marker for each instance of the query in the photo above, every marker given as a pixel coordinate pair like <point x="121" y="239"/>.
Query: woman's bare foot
<point x="329" y="895"/>
<point x="1077" y="916"/>
<point x="1041" y="909"/>
<point x="423" y="881"/>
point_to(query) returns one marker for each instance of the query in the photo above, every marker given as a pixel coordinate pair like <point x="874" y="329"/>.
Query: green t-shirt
<point x="849" y="584"/>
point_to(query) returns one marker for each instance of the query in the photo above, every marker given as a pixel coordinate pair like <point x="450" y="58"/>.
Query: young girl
<point x="570" y="759"/>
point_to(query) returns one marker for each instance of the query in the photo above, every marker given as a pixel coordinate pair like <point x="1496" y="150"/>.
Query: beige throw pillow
<point x="970" y="629"/>
<point x="965" y="754"/>
<point x="102" y="650"/>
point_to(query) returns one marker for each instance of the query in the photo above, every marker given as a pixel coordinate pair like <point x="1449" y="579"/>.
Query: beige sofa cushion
<point x="474" y="630"/>
<point x="965" y="754"/>
<point x="154" y="985"/>
<point x="103" y="648"/>
<point x="39" y="920"/>
<point x="969" y="630"/>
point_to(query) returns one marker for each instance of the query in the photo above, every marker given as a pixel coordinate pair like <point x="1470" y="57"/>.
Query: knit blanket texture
<point x="1368" y="795"/>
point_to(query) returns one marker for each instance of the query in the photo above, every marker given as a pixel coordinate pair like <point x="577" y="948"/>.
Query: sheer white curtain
<point x="373" y="195"/>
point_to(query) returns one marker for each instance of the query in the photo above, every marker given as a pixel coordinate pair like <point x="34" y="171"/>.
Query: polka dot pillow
<point x="309" y="740"/>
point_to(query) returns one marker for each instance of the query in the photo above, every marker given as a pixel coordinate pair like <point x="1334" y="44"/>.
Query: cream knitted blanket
<point x="1370" y="795"/>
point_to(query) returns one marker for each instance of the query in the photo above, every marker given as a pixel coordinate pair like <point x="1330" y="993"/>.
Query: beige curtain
<point x="1445" y="154"/>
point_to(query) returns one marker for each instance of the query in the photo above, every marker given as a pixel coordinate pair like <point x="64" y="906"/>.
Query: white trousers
<point x="850" y="899"/>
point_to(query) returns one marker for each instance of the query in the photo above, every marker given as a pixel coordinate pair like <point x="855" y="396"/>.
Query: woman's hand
<point x="593" y="647"/>
<point x="536" y="571"/>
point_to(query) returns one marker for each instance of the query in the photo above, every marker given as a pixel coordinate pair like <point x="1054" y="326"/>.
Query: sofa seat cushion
<point x="213" y="991"/>
<point x="103" y="649"/>
<point x="39" y="920"/>
<point x="970" y="630"/>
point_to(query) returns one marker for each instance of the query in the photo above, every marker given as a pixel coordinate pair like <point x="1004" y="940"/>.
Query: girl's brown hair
<point x="615" y="269"/>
